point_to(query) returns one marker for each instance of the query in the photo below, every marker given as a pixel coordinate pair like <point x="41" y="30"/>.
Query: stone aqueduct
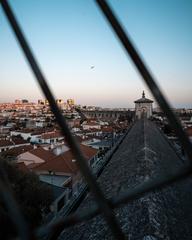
<point x="108" y="114"/>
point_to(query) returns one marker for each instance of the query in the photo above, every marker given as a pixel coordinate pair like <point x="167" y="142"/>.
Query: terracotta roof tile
<point x="64" y="163"/>
<point x="42" y="153"/>
<point x="18" y="141"/>
<point x="15" y="151"/>
<point x="21" y="166"/>
<point x="51" y="135"/>
<point x="4" y="143"/>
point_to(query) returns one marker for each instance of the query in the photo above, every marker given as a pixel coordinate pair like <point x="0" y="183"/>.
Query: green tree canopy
<point x="32" y="196"/>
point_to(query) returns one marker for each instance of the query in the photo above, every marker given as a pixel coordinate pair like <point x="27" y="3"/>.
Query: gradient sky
<point x="70" y="36"/>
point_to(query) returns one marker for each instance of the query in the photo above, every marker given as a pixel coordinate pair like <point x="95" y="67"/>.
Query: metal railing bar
<point x="146" y="75"/>
<point x="81" y="161"/>
<point x="128" y="196"/>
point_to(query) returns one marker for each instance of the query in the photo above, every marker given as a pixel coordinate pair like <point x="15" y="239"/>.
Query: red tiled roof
<point x="88" y="152"/>
<point x="107" y="129"/>
<point x="33" y="165"/>
<point x="15" y="151"/>
<point x="64" y="163"/>
<point x="21" y="166"/>
<point x="39" y="132"/>
<point x="51" y="135"/>
<point x="61" y="163"/>
<point x="42" y="153"/>
<point x="34" y="131"/>
<point x="18" y="141"/>
<point x="4" y="143"/>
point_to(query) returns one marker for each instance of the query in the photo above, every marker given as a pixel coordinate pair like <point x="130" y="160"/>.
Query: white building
<point x="143" y="107"/>
<point x="27" y="134"/>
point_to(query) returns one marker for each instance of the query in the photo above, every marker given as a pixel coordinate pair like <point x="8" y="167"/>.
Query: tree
<point x="32" y="196"/>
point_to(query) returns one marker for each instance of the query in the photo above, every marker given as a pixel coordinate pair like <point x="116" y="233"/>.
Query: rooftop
<point x="143" y="99"/>
<point x="42" y="153"/>
<point x="53" y="179"/>
<point x="18" y="150"/>
<point x="4" y="143"/>
<point x="63" y="162"/>
<point x="145" y="153"/>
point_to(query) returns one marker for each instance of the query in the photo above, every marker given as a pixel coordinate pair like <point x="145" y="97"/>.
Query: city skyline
<point x="82" y="59"/>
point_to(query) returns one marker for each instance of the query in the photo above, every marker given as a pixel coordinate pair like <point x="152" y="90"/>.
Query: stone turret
<point x="143" y="107"/>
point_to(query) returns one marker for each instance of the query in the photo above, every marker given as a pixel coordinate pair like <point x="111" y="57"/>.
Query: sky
<point x="82" y="59"/>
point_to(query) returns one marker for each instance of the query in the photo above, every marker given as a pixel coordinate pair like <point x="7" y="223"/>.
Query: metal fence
<point x="104" y="206"/>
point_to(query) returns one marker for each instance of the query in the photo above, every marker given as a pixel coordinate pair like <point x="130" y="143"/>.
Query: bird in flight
<point x="92" y="67"/>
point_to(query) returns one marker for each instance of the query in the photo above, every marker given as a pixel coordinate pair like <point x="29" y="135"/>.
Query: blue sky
<point x="70" y="36"/>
